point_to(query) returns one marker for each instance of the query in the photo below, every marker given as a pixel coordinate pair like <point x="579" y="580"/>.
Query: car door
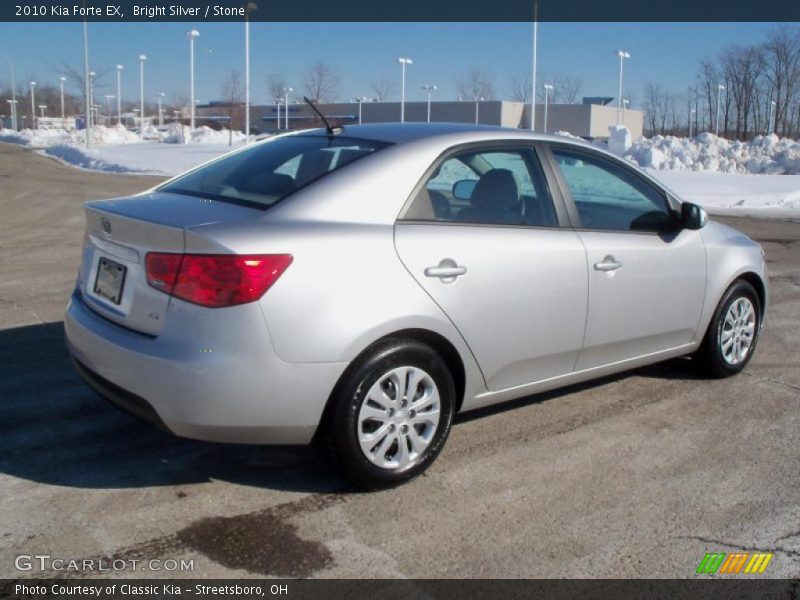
<point x="646" y="274"/>
<point x="482" y="236"/>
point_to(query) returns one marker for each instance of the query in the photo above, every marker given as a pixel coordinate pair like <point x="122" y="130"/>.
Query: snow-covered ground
<point x="143" y="158"/>
<point x="768" y="196"/>
<point x="715" y="173"/>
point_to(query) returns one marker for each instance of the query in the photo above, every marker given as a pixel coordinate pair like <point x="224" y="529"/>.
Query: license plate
<point x="110" y="280"/>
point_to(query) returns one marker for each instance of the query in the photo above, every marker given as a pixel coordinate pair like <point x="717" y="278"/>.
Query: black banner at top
<point x="397" y="10"/>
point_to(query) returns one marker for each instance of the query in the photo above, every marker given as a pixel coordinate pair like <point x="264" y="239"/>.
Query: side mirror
<point x="462" y="190"/>
<point x="693" y="216"/>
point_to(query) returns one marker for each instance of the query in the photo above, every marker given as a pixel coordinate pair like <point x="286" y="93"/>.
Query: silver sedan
<point x="360" y="287"/>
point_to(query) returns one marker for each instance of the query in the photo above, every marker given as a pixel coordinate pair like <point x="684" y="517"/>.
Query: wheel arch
<point x="757" y="282"/>
<point x="436" y="341"/>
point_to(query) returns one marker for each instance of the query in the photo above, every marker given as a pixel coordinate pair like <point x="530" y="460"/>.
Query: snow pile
<point x="206" y="135"/>
<point x="181" y="134"/>
<point x="85" y="159"/>
<point x="38" y="138"/>
<point x="763" y="155"/>
<point x="44" y="138"/>
<point x="619" y="139"/>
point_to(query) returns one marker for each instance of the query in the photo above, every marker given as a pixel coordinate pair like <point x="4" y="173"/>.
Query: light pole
<point x="91" y="98"/>
<point x="86" y="83"/>
<point x="286" y="91"/>
<point x="13" y="93"/>
<point x="403" y="62"/>
<point x="142" y="58"/>
<point x="42" y="108"/>
<point x="33" y="105"/>
<point x="359" y="100"/>
<point x="109" y="98"/>
<point x="192" y="35"/>
<point x="250" y="6"/>
<point x="160" y="115"/>
<point x="430" y="89"/>
<point x="770" y="124"/>
<point x="13" y="109"/>
<point x="119" y="93"/>
<point x="61" y="81"/>
<point x="478" y="100"/>
<point x="622" y="56"/>
<point x="277" y="102"/>
<point x="625" y="103"/>
<point x="691" y="112"/>
<point x="533" y="74"/>
<point x="548" y="88"/>
<point x="720" y="88"/>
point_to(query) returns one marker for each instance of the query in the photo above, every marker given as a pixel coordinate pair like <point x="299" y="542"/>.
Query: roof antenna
<point x="332" y="131"/>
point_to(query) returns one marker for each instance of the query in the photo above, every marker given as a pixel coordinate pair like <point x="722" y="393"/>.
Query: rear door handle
<point x="609" y="263"/>
<point x="447" y="270"/>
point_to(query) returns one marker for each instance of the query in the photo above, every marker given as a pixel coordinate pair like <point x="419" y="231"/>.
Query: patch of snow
<point x="619" y="139"/>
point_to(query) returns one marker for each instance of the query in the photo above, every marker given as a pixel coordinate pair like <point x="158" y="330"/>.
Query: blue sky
<point x="361" y="53"/>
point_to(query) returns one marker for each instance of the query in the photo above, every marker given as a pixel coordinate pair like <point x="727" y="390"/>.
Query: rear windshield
<point x="267" y="173"/>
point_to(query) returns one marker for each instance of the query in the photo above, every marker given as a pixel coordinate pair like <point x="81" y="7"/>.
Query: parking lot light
<point x="13" y="92"/>
<point x="61" y="81"/>
<point x="286" y="91"/>
<point x="142" y="58"/>
<point x="119" y="93"/>
<point x="477" y="104"/>
<point x="547" y="88"/>
<point x="192" y="35"/>
<point x="429" y="88"/>
<point x="33" y="105"/>
<point x="720" y="89"/>
<point x="403" y="62"/>
<point x="622" y="56"/>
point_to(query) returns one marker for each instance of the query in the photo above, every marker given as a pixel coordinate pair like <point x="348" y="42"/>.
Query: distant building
<point x="590" y="120"/>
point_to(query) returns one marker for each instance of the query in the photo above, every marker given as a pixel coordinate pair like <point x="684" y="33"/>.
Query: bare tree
<point x="275" y="86"/>
<point x="781" y="54"/>
<point x="568" y="89"/>
<point x="653" y="107"/>
<point x="383" y="89"/>
<point x="475" y="84"/>
<point x="232" y="96"/>
<point x="519" y="86"/>
<point x="321" y="83"/>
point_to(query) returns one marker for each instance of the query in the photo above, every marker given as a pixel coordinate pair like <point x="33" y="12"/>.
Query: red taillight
<point x="215" y="280"/>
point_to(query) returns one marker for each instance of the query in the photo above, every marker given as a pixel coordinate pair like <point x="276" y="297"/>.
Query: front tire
<point x="391" y="414"/>
<point x="733" y="332"/>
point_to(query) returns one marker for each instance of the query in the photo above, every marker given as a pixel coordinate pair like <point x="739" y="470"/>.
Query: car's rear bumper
<point x="209" y="375"/>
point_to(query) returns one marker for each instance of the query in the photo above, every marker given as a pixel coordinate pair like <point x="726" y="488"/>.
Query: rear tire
<point x="391" y="414"/>
<point x="733" y="333"/>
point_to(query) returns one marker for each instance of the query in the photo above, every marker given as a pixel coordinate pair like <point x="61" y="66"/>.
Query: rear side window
<point x="267" y="173"/>
<point x="491" y="186"/>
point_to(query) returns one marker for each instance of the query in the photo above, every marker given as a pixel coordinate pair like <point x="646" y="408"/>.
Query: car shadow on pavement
<point x="54" y="429"/>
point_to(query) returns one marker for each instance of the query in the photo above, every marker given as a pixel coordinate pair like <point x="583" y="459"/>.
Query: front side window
<point x="491" y="186"/>
<point x="267" y="173"/>
<point x="609" y="196"/>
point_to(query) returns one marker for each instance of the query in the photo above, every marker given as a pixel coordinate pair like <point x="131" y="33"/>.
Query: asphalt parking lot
<point x="632" y="476"/>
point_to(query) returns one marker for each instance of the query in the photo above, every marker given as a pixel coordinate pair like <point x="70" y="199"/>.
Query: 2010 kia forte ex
<point x="361" y="286"/>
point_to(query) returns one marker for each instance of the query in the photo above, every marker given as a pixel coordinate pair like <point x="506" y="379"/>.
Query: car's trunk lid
<point x="119" y="234"/>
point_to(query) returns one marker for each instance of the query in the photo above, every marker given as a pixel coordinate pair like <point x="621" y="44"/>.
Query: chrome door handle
<point x="609" y="263"/>
<point x="447" y="270"/>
